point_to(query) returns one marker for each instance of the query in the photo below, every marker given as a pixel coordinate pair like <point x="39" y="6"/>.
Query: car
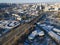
<point x="58" y="34"/>
<point x="32" y="35"/>
<point x="56" y="30"/>
<point x="0" y="35"/>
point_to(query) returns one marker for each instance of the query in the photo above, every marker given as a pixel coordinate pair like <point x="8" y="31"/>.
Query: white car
<point x="41" y="33"/>
<point x="0" y="35"/>
<point x="56" y="30"/>
<point x="32" y="35"/>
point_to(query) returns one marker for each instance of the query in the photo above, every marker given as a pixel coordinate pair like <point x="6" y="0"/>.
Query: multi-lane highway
<point x="16" y="33"/>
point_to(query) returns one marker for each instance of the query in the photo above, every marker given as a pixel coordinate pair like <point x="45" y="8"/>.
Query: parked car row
<point x="34" y="33"/>
<point x="35" y="37"/>
<point x="48" y="28"/>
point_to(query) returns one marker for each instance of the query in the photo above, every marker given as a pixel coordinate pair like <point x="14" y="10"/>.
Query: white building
<point x="54" y="7"/>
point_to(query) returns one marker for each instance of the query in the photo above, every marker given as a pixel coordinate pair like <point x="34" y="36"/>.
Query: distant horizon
<point x="29" y="1"/>
<point x="33" y="2"/>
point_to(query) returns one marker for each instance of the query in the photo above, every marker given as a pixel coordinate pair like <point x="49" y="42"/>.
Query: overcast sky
<point x="27" y="1"/>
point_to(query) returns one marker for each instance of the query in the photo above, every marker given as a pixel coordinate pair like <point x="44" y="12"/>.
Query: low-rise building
<point x="54" y="7"/>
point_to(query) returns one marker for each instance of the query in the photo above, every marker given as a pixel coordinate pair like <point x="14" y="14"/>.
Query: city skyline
<point x="27" y="1"/>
